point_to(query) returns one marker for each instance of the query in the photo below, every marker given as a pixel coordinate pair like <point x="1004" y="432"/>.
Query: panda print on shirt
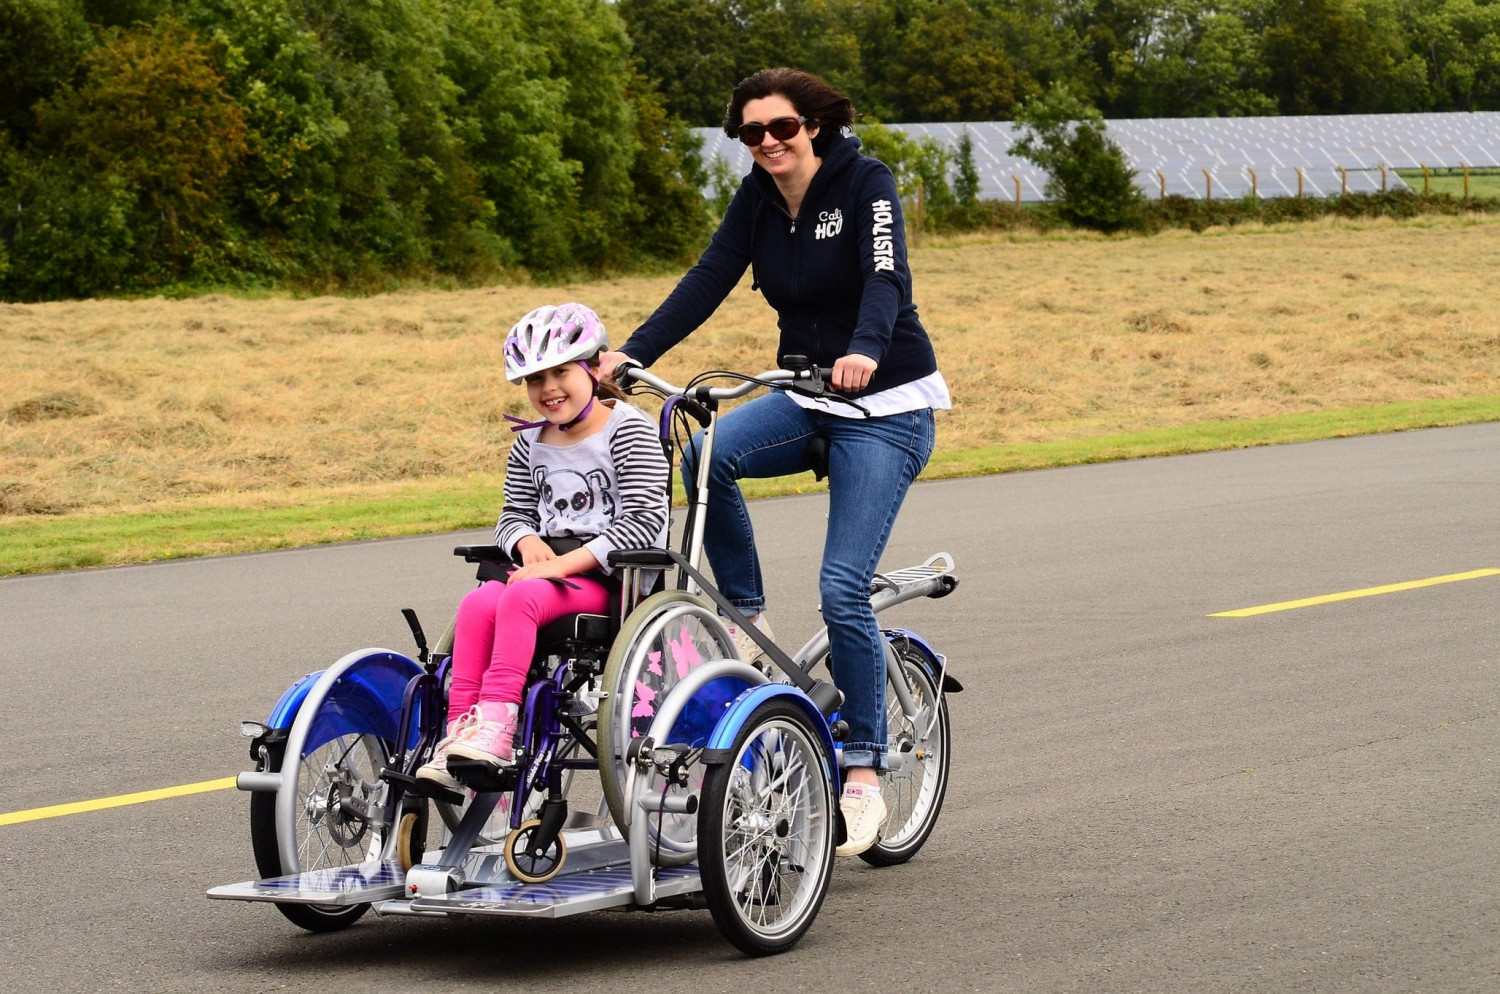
<point x="574" y="503"/>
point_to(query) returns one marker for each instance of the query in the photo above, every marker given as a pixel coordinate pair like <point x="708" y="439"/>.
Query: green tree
<point x="278" y="73"/>
<point x="1088" y="176"/>
<point x="1325" y="57"/>
<point x="1459" y="44"/>
<point x="950" y="65"/>
<point x="669" y="219"/>
<point x="1110" y="34"/>
<point x="67" y="234"/>
<point x="966" y="183"/>
<point x="689" y="50"/>
<point x="152" y="111"/>
<point x="1201" y="60"/>
<point x="41" y="45"/>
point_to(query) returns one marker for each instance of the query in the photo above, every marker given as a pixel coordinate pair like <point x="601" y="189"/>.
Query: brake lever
<point x="816" y="385"/>
<point x="817" y="388"/>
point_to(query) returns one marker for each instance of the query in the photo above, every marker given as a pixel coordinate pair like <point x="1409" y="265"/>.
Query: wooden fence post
<point x="1426" y="182"/>
<point x="1299" y="181"/>
<point x="1382" y="177"/>
<point x="1163" y="180"/>
<point x="1466" y="181"/>
<point x="1254" y="186"/>
<point x="1018" y="188"/>
<point x="1343" y="182"/>
<point x="1208" y="185"/>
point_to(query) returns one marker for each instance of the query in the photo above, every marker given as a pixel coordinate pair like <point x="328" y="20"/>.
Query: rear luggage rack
<point x="938" y="568"/>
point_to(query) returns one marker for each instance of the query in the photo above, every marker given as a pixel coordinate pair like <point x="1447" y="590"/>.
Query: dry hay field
<point x="108" y="406"/>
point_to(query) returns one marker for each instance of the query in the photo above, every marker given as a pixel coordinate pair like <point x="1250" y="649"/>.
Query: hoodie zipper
<point x="793" y="229"/>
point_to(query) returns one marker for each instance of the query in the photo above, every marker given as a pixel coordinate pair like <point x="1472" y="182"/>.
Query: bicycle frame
<point x="703" y="403"/>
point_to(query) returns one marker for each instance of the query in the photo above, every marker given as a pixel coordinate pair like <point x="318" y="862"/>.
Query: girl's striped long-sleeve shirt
<point x="609" y="489"/>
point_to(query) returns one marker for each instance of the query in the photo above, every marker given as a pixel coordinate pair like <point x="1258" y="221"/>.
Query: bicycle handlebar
<point x="808" y="380"/>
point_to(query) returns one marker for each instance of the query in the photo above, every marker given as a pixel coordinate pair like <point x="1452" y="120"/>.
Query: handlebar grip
<point x="624" y="371"/>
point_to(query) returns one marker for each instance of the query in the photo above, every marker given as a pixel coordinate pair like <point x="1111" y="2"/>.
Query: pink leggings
<point x="495" y="635"/>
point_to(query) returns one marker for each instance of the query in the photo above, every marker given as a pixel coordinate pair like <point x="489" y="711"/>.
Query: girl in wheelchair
<point x="587" y="477"/>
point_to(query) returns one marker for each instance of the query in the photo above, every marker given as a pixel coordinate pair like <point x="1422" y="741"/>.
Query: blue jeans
<point x="871" y="464"/>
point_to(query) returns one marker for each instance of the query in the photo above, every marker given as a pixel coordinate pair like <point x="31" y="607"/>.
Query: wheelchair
<point x="719" y="779"/>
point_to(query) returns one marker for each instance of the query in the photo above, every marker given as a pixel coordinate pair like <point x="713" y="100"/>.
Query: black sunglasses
<point x="782" y="129"/>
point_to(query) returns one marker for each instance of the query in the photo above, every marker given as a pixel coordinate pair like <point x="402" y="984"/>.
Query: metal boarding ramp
<point x="597" y="877"/>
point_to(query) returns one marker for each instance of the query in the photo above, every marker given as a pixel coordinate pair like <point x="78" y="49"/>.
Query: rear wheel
<point x="914" y="793"/>
<point x="765" y="836"/>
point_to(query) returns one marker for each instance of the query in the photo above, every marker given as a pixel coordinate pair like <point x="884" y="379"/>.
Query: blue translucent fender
<point x="721" y="742"/>
<point x="360" y="693"/>
<point x="285" y="711"/>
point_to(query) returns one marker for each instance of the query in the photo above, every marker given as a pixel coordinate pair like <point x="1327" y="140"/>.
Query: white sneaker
<point x="436" y="768"/>
<point x="864" y="816"/>
<point x="745" y="646"/>
<point x="491" y="736"/>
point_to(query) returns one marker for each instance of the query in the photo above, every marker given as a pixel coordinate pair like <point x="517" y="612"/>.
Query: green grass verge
<point x="1484" y="184"/>
<point x="43" y="544"/>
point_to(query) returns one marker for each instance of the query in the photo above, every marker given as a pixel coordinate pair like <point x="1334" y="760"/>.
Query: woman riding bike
<point x="821" y="227"/>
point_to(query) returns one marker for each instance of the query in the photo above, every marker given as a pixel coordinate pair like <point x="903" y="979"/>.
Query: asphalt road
<point x="1143" y="797"/>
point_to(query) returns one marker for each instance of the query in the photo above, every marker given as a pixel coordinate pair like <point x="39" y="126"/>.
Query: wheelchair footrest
<point x="482" y="777"/>
<point x="422" y="788"/>
<point x="361" y="884"/>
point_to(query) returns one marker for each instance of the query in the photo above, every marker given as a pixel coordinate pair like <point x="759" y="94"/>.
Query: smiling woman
<point x="843" y="298"/>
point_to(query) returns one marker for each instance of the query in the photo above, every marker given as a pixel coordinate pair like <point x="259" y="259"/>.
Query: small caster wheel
<point x="525" y="863"/>
<point x="411" y="839"/>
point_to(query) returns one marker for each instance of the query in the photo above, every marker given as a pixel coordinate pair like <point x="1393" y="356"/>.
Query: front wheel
<point x="913" y="791"/>
<point x="765" y="833"/>
<point x="332" y="829"/>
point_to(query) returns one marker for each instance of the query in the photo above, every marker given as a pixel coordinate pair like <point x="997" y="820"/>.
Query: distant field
<point x="1484" y="183"/>
<point x="131" y="430"/>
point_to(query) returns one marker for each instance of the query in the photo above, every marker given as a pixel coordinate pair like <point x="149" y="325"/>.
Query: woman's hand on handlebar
<point x="607" y="363"/>
<point x="852" y="372"/>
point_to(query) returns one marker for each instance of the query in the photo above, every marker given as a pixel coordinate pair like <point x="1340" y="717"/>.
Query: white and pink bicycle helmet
<point x="550" y="336"/>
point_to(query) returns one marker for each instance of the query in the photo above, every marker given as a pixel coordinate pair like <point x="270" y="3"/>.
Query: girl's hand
<point x="539" y="570"/>
<point x="852" y="372"/>
<point x="570" y="564"/>
<point x="534" y="550"/>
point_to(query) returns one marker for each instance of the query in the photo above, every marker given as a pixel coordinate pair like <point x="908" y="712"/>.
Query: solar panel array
<point x="1215" y="156"/>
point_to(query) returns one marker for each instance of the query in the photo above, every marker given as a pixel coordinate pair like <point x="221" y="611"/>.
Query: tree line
<point x="171" y="144"/>
<point x="182" y="143"/>
<point x="980" y="60"/>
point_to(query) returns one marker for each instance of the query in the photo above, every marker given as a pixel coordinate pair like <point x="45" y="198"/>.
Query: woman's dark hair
<point x="814" y="99"/>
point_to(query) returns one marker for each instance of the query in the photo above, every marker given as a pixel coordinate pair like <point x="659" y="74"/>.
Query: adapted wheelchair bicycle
<point x="719" y="779"/>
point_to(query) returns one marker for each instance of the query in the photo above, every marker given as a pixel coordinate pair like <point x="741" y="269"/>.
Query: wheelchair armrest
<point x="650" y="558"/>
<point x="482" y="554"/>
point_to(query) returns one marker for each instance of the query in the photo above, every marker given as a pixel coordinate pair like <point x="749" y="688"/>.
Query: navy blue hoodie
<point x="837" y="276"/>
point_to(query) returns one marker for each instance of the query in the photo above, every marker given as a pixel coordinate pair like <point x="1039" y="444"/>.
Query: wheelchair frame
<point x="721" y="782"/>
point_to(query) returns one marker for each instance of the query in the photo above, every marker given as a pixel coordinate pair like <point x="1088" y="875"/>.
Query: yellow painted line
<point x="1349" y="595"/>
<point x="99" y="804"/>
